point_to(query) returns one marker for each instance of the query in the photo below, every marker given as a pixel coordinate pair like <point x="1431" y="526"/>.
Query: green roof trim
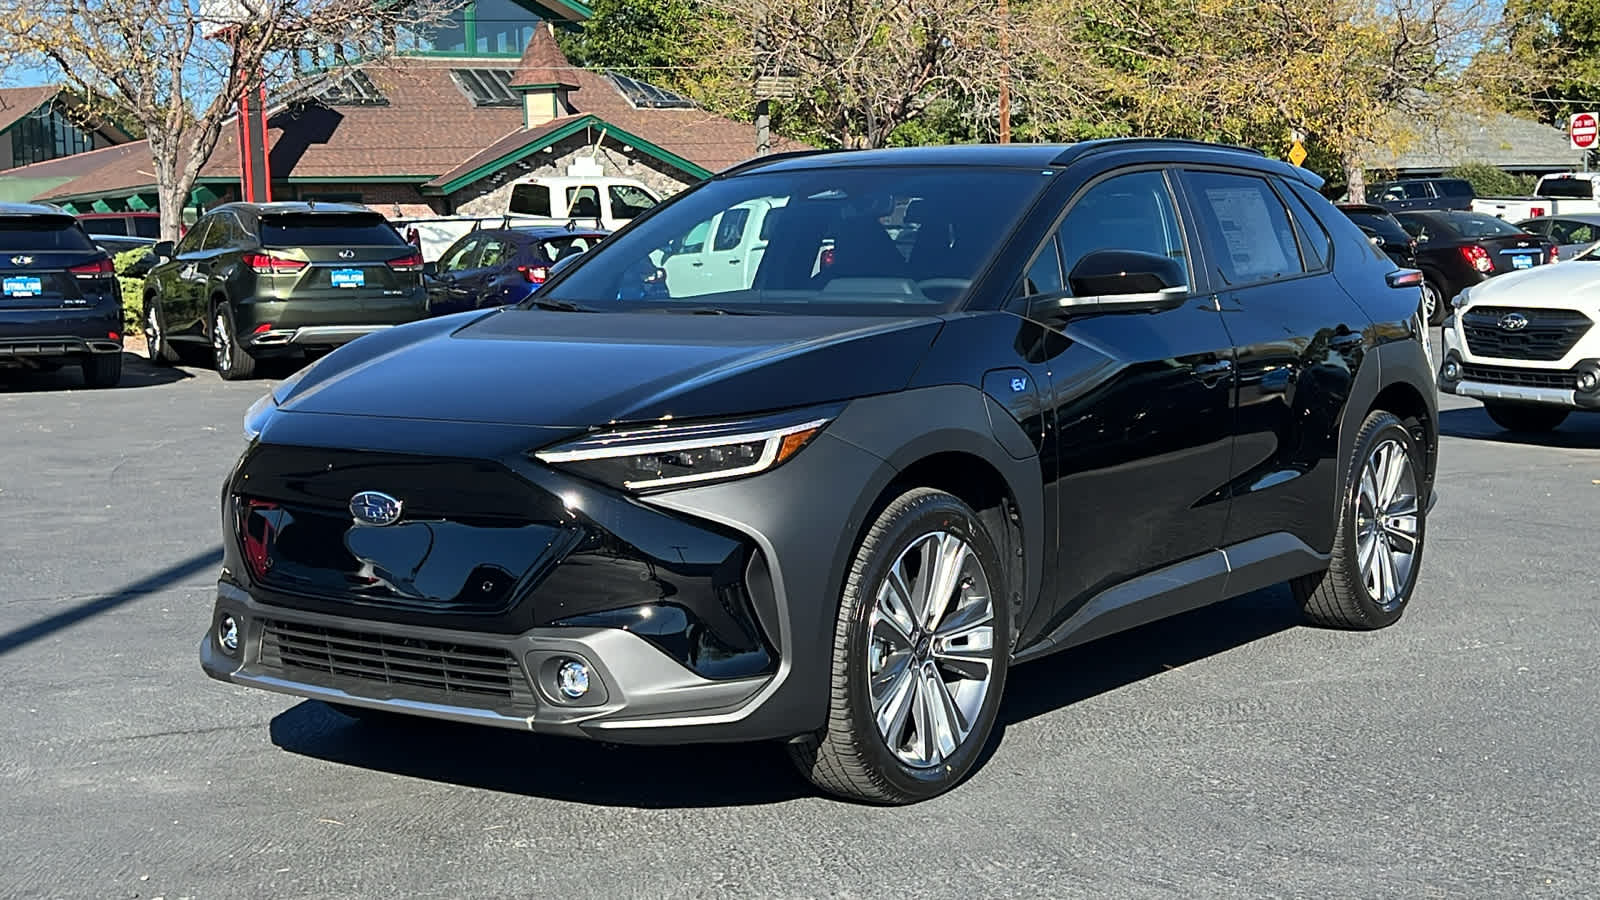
<point x="540" y="87"/>
<point x="565" y="131"/>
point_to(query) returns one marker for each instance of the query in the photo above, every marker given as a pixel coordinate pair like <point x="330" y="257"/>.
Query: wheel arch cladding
<point x="1391" y="378"/>
<point x="962" y="455"/>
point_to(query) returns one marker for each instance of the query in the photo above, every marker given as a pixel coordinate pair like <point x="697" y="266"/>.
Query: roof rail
<point x="756" y="162"/>
<point x="1089" y="148"/>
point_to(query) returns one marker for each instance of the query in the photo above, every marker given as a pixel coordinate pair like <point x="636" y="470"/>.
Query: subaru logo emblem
<point x="1513" y="321"/>
<point x="22" y="260"/>
<point x="347" y="254"/>
<point x="375" y="508"/>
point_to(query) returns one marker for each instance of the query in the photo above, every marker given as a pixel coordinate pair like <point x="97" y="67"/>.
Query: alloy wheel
<point x="1387" y="523"/>
<point x="222" y="343"/>
<point x="1430" y="302"/>
<point x="930" y="646"/>
<point x="152" y="330"/>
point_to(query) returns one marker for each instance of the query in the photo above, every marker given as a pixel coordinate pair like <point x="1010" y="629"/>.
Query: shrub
<point x="132" y="290"/>
<point x="1488" y="181"/>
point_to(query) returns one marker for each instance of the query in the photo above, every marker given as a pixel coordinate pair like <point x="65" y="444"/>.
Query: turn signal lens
<point x="1555" y="254"/>
<point x="534" y="274"/>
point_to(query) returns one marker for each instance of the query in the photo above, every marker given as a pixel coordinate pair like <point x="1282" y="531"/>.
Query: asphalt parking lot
<point x="1231" y="752"/>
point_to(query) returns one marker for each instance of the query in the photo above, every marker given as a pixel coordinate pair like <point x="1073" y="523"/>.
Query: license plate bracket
<point x="349" y="278"/>
<point x="1521" y="261"/>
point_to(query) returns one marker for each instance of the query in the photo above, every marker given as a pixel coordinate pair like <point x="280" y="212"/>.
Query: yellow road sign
<point x="1297" y="153"/>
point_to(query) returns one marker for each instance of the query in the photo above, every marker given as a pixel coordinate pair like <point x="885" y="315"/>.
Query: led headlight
<point x="668" y="455"/>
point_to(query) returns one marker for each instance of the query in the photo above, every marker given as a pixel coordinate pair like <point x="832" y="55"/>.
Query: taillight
<point x="827" y="257"/>
<point x="263" y="328"/>
<point x="272" y="264"/>
<point x="1478" y="258"/>
<point x="1555" y="254"/>
<point x="97" y="269"/>
<point x="411" y="262"/>
<point x="534" y="274"/>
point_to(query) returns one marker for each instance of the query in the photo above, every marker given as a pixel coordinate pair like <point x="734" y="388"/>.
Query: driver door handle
<point x="1209" y="371"/>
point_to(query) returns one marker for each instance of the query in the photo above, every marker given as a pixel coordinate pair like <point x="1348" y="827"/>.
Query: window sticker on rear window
<point x="1247" y="228"/>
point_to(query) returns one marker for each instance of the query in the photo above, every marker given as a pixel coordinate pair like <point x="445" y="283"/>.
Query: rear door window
<point x="1455" y="188"/>
<point x="328" y="230"/>
<point x="730" y="230"/>
<point x="555" y="249"/>
<point x="530" y="200"/>
<point x="1570" y="232"/>
<point x="1246" y="226"/>
<point x="495" y="252"/>
<point x="42" y="234"/>
<point x="583" y="202"/>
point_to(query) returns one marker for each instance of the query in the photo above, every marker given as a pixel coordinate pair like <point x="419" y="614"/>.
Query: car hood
<point x="1542" y="286"/>
<point x="574" y="369"/>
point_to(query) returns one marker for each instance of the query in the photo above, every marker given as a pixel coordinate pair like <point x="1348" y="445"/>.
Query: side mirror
<point x="564" y="262"/>
<point x="162" y="249"/>
<point x="142" y="266"/>
<point x="431" y="269"/>
<point x="1126" y="273"/>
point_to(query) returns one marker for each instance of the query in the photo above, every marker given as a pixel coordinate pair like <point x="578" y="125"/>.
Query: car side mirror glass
<point x="430" y="269"/>
<point x="162" y="249"/>
<point x="1117" y="273"/>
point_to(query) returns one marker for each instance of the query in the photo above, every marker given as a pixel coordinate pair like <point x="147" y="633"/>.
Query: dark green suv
<point x="255" y="280"/>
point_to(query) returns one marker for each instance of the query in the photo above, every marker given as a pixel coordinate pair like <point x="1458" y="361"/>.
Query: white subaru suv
<point x="1525" y="343"/>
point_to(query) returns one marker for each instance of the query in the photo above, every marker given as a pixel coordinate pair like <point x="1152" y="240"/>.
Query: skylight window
<point x="486" y="87"/>
<point x="648" y="96"/>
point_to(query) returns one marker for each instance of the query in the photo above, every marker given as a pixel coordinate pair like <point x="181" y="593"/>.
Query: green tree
<point x="1553" y="50"/>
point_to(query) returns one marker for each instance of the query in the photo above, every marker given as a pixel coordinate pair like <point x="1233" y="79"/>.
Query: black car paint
<point x="1441" y="260"/>
<point x="72" y="318"/>
<point x="1380" y="225"/>
<point x="1153" y="460"/>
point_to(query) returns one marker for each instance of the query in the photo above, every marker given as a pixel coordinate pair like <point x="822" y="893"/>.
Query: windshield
<point x="847" y="241"/>
<point x="1474" y="225"/>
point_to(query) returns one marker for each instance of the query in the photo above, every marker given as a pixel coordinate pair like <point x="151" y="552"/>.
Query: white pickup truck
<point x="592" y="201"/>
<point x="1561" y="194"/>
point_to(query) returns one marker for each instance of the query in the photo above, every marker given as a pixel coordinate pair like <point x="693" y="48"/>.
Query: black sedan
<point x="1384" y="231"/>
<point x="500" y="266"/>
<point x="1456" y="250"/>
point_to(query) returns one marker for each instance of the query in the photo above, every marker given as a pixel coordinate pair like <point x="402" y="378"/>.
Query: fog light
<point x="228" y="635"/>
<point x="1588" y="381"/>
<point x="572" y="679"/>
<point x="1452" y="370"/>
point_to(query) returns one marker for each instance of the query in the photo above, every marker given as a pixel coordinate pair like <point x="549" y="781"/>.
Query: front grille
<point x="432" y="671"/>
<point x="1566" y="381"/>
<point x="1549" y="335"/>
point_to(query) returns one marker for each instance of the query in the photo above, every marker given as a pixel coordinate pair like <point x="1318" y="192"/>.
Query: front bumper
<point x="640" y="594"/>
<point x="1571" y="386"/>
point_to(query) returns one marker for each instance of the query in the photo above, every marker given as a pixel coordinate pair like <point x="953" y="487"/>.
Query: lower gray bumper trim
<point x="1518" y="393"/>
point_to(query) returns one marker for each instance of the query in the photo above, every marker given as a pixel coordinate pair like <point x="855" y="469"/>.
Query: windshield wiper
<point x="558" y="305"/>
<point x="711" y="311"/>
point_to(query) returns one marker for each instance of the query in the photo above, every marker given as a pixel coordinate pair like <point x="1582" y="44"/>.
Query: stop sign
<point x="1584" y="130"/>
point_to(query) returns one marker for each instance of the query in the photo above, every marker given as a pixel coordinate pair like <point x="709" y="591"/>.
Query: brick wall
<point x="491" y="195"/>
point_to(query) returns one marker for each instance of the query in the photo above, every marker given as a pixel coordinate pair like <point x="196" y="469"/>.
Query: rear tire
<point x="1433" y="302"/>
<point x="1526" y="417"/>
<point x="233" y="361"/>
<point x="158" y="349"/>
<point x="1377" y="549"/>
<point x="915" y="685"/>
<point x="102" y="370"/>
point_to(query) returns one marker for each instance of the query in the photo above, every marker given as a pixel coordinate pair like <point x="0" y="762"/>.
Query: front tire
<point x="1526" y="417"/>
<point x="1377" y="549"/>
<point x="233" y="361"/>
<point x="920" y="654"/>
<point x="102" y="370"/>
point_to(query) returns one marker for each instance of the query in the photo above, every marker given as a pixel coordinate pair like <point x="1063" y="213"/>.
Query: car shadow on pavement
<point x="1581" y="431"/>
<point x="689" y="776"/>
<point x="136" y="373"/>
<point x="557" y="768"/>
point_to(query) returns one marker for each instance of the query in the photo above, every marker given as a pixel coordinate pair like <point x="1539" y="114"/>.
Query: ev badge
<point x="375" y="508"/>
<point x="1019" y="384"/>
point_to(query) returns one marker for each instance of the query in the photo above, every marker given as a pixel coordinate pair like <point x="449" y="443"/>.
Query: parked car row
<point x="248" y="282"/>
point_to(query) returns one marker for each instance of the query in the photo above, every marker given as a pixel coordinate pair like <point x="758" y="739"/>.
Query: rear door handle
<point x="1220" y="367"/>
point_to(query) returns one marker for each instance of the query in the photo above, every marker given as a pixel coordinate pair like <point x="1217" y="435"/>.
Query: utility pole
<point x="763" y="126"/>
<point x="1005" y="74"/>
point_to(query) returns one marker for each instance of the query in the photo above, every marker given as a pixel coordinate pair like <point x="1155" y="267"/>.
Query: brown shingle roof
<point x="543" y="62"/>
<point x="18" y="102"/>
